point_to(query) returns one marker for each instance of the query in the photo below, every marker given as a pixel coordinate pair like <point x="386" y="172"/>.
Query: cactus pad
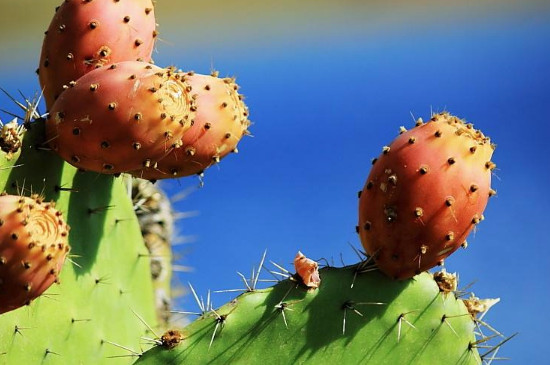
<point x="374" y="321"/>
<point x="105" y="285"/>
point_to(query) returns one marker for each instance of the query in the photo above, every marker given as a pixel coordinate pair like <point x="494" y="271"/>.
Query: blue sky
<point x="324" y="101"/>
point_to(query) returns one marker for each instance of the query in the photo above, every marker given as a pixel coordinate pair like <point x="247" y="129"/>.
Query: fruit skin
<point x="33" y="248"/>
<point x="84" y="35"/>
<point x="121" y="117"/>
<point x="220" y="123"/>
<point x="155" y="214"/>
<point x="424" y="194"/>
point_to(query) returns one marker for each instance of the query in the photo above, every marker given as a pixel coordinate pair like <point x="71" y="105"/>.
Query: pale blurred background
<point x="328" y="84"/>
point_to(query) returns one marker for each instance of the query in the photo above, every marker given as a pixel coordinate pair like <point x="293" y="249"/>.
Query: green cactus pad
<point x="105" y="290"/>
<point x="375" y="321"/>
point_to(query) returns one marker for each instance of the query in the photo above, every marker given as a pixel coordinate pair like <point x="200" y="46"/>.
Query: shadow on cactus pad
<point x="357" y="316"/>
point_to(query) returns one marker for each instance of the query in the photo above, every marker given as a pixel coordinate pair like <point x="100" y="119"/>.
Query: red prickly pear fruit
<point x="120" y="118"/>
<point x="220" y="122"/>
<point x="84" y="35"/>
<point x="425" y="193"/>
<point x="307" y="270"/>
<point x="33" y="247"/>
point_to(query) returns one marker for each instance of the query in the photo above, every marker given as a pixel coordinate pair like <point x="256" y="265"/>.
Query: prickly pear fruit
<point x="33" y="247"/>
<point x="84" y="35"/>
<point x="220" y="122"/>
<point x="425" y="193"/>
<point x="121" y="117"/>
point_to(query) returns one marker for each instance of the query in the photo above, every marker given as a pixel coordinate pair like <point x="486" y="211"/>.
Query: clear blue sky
<point x="324" y="102"/>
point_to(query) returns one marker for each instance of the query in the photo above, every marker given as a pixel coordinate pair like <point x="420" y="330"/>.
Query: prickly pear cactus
<point x="156" y="219"/>
<point x="356" y="316"/>
<point x="105" y="293"/>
